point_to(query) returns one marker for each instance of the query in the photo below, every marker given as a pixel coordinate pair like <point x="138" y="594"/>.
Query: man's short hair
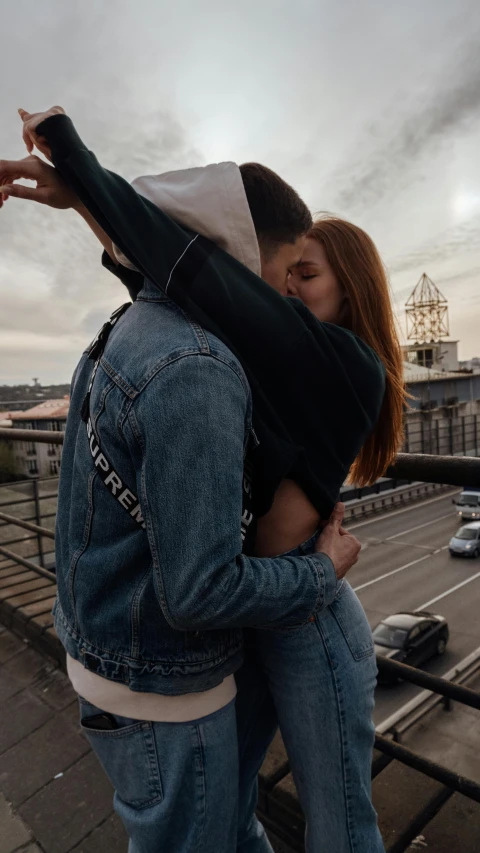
<point x="279" y="214"/>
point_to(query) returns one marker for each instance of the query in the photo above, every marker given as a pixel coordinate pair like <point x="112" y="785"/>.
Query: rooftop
<point x="46" y="410"/>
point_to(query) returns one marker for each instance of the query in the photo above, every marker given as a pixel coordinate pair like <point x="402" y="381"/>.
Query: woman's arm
<point x="150" y="240"/>
<point x="316" y="388"/>
<point x="132" y="279"/>
<point x="217" y="291"/>
<point x="97" y="229"/>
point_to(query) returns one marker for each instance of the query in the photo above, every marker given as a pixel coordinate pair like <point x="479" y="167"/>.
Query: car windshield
<point x="388" y="635"/>
<point x="466" y="533"/>
<point x="468" y="500"/>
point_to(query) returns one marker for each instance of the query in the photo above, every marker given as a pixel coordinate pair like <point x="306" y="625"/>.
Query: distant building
<point x="444" y="412"/>
<point x="22" y="397"/>
<point x="471" y="364"/>
<point x="442" y="356"/>
<point x="33" y="458"/>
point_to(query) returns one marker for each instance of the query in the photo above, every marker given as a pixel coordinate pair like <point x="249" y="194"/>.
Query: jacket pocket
<point x="352" y="621"/>
<point x="128" y="754"/>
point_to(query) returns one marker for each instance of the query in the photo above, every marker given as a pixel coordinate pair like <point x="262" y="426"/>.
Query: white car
<point x="468" y="504"/>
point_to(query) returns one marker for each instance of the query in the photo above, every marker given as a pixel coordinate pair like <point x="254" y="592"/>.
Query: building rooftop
<point x="414" y="372"/>
<point x="46" y="410"/>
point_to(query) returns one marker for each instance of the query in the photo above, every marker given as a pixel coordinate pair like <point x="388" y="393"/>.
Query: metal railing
<point x="449" y="470"/>
<point x="35" y="501"/>
<point x="453" y="435"/>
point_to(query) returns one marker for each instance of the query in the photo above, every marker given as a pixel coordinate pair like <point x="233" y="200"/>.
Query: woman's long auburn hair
<point x="358" y="268"/>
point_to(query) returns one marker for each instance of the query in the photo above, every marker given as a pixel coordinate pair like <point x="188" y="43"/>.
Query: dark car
<point x="411" y="638"/>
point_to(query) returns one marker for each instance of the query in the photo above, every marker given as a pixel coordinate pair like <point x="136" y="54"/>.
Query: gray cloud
<point x="434" y="117"/>
<point x="453" y="242"/>
<point x="154" y="86"/>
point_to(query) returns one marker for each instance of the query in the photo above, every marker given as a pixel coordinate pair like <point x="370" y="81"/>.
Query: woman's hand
<point x="30" y="124"/>
<point x="50" y="187"/>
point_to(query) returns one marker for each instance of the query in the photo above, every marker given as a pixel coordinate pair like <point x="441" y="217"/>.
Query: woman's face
<point x="314" y="282"/>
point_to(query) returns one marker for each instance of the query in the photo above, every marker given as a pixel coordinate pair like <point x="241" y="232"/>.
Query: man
<point x="153" y="587"/>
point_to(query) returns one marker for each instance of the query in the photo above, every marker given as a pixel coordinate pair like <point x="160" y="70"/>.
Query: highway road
<point x="405" y="565"/>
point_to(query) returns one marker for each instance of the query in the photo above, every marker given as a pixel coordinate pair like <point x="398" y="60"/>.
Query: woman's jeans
<point x="318" y="681"/>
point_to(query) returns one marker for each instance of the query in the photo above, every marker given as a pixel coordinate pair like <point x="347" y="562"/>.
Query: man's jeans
<point x="318" y="681"/>
<point x="184" y="787"/>
<point x="176" y="784"/>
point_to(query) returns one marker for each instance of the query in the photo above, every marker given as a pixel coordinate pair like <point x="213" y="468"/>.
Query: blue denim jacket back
<point x="160" y="608"/>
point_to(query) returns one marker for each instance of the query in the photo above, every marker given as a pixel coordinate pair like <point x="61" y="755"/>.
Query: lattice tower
<point x="426" y="312"/>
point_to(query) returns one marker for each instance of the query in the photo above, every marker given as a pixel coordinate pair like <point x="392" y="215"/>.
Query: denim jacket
<point x="160" y="607"/>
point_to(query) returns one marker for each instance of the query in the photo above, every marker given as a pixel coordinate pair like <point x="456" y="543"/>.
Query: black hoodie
<point x="317" y="389"/>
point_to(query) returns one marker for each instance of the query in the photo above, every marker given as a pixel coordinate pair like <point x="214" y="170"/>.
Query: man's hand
<point x="337" y="543"/>
<point x="30" y="124"/>
<point x="50" y="187"/>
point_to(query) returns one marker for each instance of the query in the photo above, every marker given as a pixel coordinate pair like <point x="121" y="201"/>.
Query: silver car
<point x="466" y="542"/>
<point x="468" y="504"/>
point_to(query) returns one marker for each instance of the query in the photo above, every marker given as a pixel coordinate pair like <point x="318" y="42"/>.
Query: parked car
<point x="410" y="638"/>
<point x="466" y="542"/>
<point x="468" y="503"/>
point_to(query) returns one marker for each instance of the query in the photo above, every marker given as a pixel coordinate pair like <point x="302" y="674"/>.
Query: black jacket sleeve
<point x="317" y="388"/>
<point x="132" y="279"/>
<point x="146" y="236"/>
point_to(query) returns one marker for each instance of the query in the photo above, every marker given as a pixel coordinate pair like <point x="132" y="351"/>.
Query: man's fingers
<point x="27" y="135"/>
<point x="27" y="139"/>
<point x="337" y="515"/>
<point x="29" y="167"/>
<point x="19" y="191"/>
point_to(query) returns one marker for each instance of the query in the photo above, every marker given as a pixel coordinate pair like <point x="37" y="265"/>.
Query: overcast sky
<point x="370" y="108"/>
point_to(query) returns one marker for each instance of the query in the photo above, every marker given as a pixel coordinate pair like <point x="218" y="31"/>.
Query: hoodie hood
<point x="210" y="201"/>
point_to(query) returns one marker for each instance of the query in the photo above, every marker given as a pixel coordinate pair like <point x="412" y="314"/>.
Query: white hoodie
<point x="208" y="200"/>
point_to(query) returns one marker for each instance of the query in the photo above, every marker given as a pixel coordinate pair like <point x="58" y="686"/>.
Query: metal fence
<point x="30" y="505"/>
<point x="450" y="436"/>
<point x="451" y="470"/>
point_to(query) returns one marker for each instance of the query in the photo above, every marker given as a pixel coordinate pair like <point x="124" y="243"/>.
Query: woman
<point x="320" y="676"/>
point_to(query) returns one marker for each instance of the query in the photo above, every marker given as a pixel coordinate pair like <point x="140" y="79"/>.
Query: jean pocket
<point x="128" y="754"/>
<point x="352" y="621"/>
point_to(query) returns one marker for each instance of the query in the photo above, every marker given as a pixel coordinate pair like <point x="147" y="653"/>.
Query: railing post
<point x="475" y="428"/>
<point x="464" y="450"/>
<point x="38" y="519"/>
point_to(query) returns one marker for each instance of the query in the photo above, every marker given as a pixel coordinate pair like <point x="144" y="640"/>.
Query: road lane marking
<point x="448" y="592"/>
<point x="416" y="505"/>
<point x="418" y="527"/>
<point x="400" y="569"/>
<point x="410" y="545"/>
